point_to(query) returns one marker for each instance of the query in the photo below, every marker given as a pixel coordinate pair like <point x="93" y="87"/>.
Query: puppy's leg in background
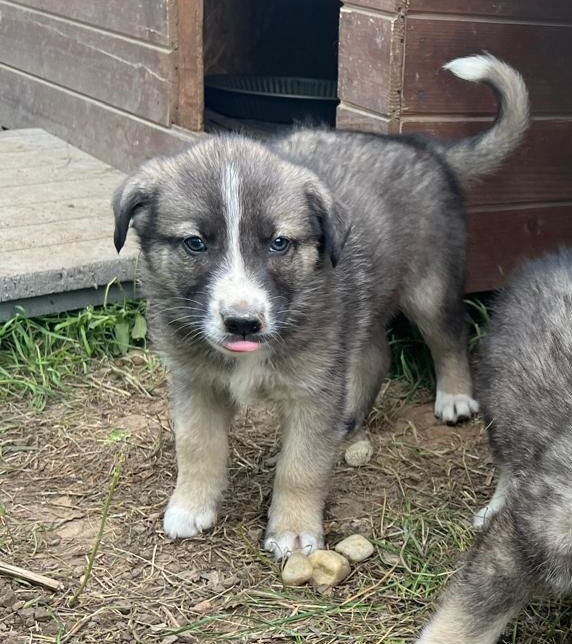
<point x="484" y="515"/>
<point x="201" y="425"/>
<point x="436" y="306"/>
<point x="368" y="369"/>
<point x="310" y="441"/>
<point x="486" y="593"/>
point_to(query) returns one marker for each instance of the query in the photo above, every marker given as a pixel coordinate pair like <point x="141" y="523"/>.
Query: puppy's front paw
<point x="183" y="520"/>
<point x="284" y="544"/>
<point x="452" y="408"/>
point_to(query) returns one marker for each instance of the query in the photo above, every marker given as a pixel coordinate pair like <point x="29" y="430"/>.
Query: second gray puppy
<point x="524" y="385"/>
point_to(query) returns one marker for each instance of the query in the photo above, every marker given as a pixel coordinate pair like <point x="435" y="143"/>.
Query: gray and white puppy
<point x="524" y="384"/>
<point x="271" y="272"/>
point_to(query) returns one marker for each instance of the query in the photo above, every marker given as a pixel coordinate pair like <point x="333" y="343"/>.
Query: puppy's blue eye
<point x="280" y="245"/>
<point x="194" y="244"/>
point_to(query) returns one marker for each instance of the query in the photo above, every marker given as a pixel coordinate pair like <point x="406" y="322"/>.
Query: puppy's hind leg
<point x="484" y="515"/>
<point x="436" y="306"/>
<point x="369" y="368"/>
<point x="486" y="593"/>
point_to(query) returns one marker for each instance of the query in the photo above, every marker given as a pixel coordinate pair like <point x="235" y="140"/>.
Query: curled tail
<point x="480" y="155"/>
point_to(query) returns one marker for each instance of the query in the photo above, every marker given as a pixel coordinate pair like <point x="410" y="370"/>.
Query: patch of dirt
<point x="414" y="500"/>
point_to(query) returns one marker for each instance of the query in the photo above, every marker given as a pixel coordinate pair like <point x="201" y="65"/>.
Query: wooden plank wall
<point x="103" y="75"/>
<point x="390" y="80"/>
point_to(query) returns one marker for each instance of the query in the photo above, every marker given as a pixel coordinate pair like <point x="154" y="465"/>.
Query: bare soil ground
<point x="414" y="500"/>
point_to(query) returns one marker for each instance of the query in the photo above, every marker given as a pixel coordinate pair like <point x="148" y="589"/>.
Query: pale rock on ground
<point x="297" y="570"/>
<point x="329" y="567"/>
<point x="356" y="548"/>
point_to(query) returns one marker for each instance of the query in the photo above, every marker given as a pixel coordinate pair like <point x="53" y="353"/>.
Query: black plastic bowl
<point x="277" y="99"/>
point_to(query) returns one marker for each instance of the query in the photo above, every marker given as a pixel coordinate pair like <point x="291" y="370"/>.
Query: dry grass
<point x="413" y="500"/>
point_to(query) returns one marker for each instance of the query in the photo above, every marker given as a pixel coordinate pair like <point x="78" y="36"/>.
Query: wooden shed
<point x="123" y="80"/>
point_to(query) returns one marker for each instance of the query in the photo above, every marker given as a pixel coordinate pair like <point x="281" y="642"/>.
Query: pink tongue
<point x="242" y="346"/>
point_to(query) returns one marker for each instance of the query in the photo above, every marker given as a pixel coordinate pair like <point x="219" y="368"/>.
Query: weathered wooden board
<point x="387" y="6"/>
<point x="189" y="108"/>
<point x="369" y="60"/>
<point x="500" y="239"/>
<point x="548" y="11"/>
<point x="48" y="172"/>
<point x="540" y="170"/>
<point x="43" y="270"/>
<point x="551" y="11"/>
<point x="13" y="161"/>
<point x="542" y="53"/>
<point x="58" y="237"/>
<point x="126" y="74"/>
<point x="118" y="138"/>
<point x="86" y="208"/>
<point x="45" y="252"/>
<point x="144" y="19"/>
<point x="61" y="191"/>
<point x="349" y="117"/>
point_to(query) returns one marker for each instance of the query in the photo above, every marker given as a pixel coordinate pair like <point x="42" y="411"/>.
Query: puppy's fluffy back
<point x="525" y="365"/>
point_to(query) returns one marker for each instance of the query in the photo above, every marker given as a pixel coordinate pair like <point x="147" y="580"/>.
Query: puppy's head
<point x="233" y="240"/>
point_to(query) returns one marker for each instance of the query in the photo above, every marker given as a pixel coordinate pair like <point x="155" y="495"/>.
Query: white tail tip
<point x="471" y="68"/>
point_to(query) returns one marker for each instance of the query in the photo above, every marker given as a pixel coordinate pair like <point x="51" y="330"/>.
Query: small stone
<point x="297" y="570"/>
<point x="391" y="559"/>
<point x="358" y="453"/>
<point x="329" y="567"/>
<point x="42" y="614"/>
<point x="203" y="606"/>
<point x="355" y="548"/>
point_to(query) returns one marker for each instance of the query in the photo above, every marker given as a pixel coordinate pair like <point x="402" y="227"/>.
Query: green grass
<point x="39" y="355"/>
<point x="411" y="361"/>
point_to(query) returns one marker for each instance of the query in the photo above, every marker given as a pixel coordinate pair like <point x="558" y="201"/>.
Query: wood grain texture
<point x="549" y="11"/>
<point x="351" y="118"/>
<point x="541" y="53"/>
<point x="56" y="222"/>
<point x="143" y="19"/>
<point x="540" y="170"/>
<point x="126" y="74"/>
<point x="387" y="6"/>
<point x="500" y="240"/>
<point x="369" y="61"/>
<point x="112" y="136"/>
<point x="189" y="108"/>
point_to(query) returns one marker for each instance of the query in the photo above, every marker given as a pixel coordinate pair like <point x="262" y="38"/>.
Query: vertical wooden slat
<point x="189" y="94"/>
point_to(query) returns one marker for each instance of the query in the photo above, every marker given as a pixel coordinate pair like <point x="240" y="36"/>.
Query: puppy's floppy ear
<point x="136" y="193"/>
<point x="327" y="213"/>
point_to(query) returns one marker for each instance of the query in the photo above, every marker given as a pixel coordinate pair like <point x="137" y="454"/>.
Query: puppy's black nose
<point x="242" y="325"/>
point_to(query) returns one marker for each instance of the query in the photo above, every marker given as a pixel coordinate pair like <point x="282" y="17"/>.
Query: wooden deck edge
<point x="69" y="301"/>
<point x="63" y="280"/>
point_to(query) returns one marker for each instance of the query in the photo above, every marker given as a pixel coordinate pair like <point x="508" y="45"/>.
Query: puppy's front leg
<point x="309" y="448"/>
<point x="201" y="425"/>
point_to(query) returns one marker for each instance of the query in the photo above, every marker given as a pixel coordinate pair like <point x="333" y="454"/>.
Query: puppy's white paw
<point x="284" y="544"/>
<point x="182" y="521"/>
<point x="452" y="408"/>
<point x="483" y="517"/>
<point x="358" y="453"/>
